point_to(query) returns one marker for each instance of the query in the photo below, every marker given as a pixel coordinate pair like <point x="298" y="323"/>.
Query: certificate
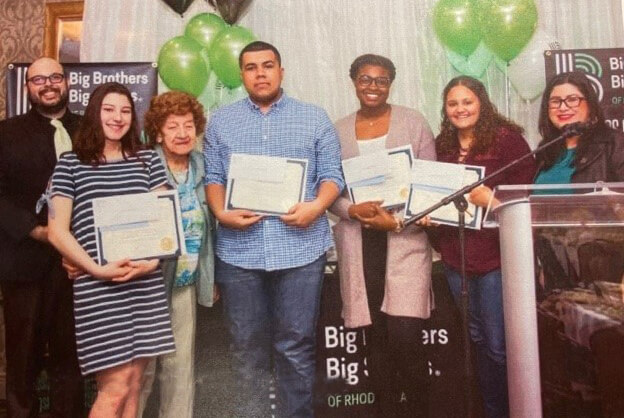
<point x="380" y="176"/>
<point x="138" y="226"/>
<point x="432" y="181"/>
<point x="265" y="185"/>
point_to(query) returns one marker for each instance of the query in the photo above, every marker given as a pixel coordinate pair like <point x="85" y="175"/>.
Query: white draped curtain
<point x="319" y="39"/>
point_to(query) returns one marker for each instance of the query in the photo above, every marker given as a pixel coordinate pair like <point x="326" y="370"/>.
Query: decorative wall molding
<point x="55" y="14"/>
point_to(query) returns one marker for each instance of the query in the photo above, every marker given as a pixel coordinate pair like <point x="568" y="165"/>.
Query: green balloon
<point x="475" y="65"/>
<point x="456" y="22"/>
<point x="224" y="54"/>
<point x="233" y="95"/>
<point x="203" y="28"/>
<point x="208" y="97"/>
<point x="508" y="25"/>
<point x="181" y="66"/>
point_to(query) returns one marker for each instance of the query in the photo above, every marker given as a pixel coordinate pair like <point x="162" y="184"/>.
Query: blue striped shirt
<point x="115" y="322"/>
<point x="289" y="129"/>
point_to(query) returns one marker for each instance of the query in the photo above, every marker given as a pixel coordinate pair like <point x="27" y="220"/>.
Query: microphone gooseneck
<point x="575" y="129"/>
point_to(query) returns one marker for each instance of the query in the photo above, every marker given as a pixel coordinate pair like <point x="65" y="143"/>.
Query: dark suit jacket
<point x="27" y="160"/>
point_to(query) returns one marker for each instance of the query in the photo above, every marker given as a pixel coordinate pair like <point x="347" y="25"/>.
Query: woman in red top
<point x="473" y="132"/>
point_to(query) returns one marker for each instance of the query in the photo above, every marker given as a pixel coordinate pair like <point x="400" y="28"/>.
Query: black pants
<point x="397" y="360"/>
<point x="38" y="317"/>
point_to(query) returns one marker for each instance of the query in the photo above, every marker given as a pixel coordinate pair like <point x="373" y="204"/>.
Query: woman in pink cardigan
<point x="385" y="270"/>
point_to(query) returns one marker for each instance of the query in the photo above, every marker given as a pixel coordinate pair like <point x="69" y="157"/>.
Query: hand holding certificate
<point x="138" y="226"/>
<point x="380" y="176"/>
<point x="432" y="181"/>
<point x="265" y="185"/>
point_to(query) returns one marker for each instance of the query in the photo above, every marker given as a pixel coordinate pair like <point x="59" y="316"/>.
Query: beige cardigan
<point x="408" y="264"/>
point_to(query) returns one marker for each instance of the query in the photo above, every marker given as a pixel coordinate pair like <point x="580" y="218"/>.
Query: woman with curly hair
<point x="173" y="123"/>
<point x="473" y="132"/>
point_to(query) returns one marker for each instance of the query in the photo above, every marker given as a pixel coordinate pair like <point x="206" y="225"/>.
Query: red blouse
<point x="482" y="246"/>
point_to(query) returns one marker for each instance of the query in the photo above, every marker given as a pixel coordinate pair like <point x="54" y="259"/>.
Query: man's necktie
<point x="62" y="141"/>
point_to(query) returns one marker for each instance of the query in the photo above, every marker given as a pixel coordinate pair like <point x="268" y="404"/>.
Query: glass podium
<point x="587" y="211"/>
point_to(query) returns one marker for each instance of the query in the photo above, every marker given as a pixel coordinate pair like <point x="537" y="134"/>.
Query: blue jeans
<point x="272" y="319"/>
<point x="487" y="331"/>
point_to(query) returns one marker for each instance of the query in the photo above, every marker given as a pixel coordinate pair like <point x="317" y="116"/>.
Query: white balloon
<point x="526" y="71"/>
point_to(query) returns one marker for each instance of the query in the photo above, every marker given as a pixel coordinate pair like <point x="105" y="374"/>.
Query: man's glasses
<point x="366" y="81"/>
<point x="40" y="80"/>
<point x="570" y="102"/>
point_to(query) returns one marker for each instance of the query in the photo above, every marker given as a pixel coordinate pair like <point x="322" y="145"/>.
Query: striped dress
<point x="115" y="322"/>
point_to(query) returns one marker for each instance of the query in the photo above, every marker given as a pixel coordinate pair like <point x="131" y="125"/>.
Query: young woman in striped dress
<point x="120" y="308"/>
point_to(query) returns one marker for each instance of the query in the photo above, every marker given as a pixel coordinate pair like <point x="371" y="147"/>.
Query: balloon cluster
<point x="475" y="32"/>
<point x="204" y="61"/>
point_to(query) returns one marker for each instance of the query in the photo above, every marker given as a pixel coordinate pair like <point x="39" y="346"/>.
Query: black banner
<point x="605" y="69"/>
<point x="141" y="78"/>
<point x="343" y="388"/>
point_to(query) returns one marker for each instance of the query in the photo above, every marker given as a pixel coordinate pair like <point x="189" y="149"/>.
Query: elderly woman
<point x="385" y="271"/>
<point x="172" y="124"/>
<point x="473" y="132"/>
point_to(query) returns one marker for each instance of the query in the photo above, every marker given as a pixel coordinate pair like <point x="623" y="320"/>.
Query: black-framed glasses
<point x="366" y="81"/>
<point x="40" y="80"/>
<point x="570" y="102"/>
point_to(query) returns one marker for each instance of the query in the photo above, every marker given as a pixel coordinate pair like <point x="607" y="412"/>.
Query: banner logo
<point x="566" y="62"/>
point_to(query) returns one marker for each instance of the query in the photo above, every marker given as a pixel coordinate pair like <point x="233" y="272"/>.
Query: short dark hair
<point x="259" y="46"/>
<point x="549" y="131"/>
<point x="372" y="59"/>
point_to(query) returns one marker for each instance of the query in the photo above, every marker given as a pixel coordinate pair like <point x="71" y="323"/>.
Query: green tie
<point x="62" y="141"/>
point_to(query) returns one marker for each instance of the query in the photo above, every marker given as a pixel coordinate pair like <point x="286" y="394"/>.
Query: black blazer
<point x="27" y="160"/>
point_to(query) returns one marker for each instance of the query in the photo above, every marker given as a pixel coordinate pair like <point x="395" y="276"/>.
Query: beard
<point x="48" y="108"/>
<point x="267" y="98"/>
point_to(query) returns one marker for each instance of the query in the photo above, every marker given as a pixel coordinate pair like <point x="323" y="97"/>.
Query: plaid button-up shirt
<point x="289" y="129"/>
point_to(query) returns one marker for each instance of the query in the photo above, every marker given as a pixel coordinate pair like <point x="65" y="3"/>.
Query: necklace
<point x="177" y="175"/>
<point x="364" y="119"/>
<point x="372" y="122"/>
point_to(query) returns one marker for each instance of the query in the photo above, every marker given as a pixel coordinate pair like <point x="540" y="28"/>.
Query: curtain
<point x="319" y="39"/>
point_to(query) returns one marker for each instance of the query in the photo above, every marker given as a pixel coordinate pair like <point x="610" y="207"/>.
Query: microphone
<point x="575" y="129"/>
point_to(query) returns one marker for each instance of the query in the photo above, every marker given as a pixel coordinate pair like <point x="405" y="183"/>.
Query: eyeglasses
<point x="570" y="102"/>
<point x="40" y="80"/>
<point x="366" y="81"/>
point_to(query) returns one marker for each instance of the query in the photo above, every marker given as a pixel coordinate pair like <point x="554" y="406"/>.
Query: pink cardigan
<point x="408" y="265"/>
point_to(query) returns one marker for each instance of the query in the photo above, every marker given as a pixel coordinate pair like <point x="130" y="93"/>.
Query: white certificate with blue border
<point x="383" y="175"/>
<point x="432" y="181"/>
<point x="138" y="226"/>
<point x="265" y="185"/>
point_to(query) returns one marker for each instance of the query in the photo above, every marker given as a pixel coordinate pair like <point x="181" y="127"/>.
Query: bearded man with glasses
<point x="37" y="295"/>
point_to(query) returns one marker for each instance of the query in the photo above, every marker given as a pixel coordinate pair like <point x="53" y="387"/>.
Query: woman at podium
<point x="595" y="155"/>
<point x="473" y="132"/>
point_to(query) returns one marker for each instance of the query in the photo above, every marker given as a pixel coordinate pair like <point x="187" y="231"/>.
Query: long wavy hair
<point x="487" y="127"/>
<point x="549" y="156"/>
<point x="90" y="139"/>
